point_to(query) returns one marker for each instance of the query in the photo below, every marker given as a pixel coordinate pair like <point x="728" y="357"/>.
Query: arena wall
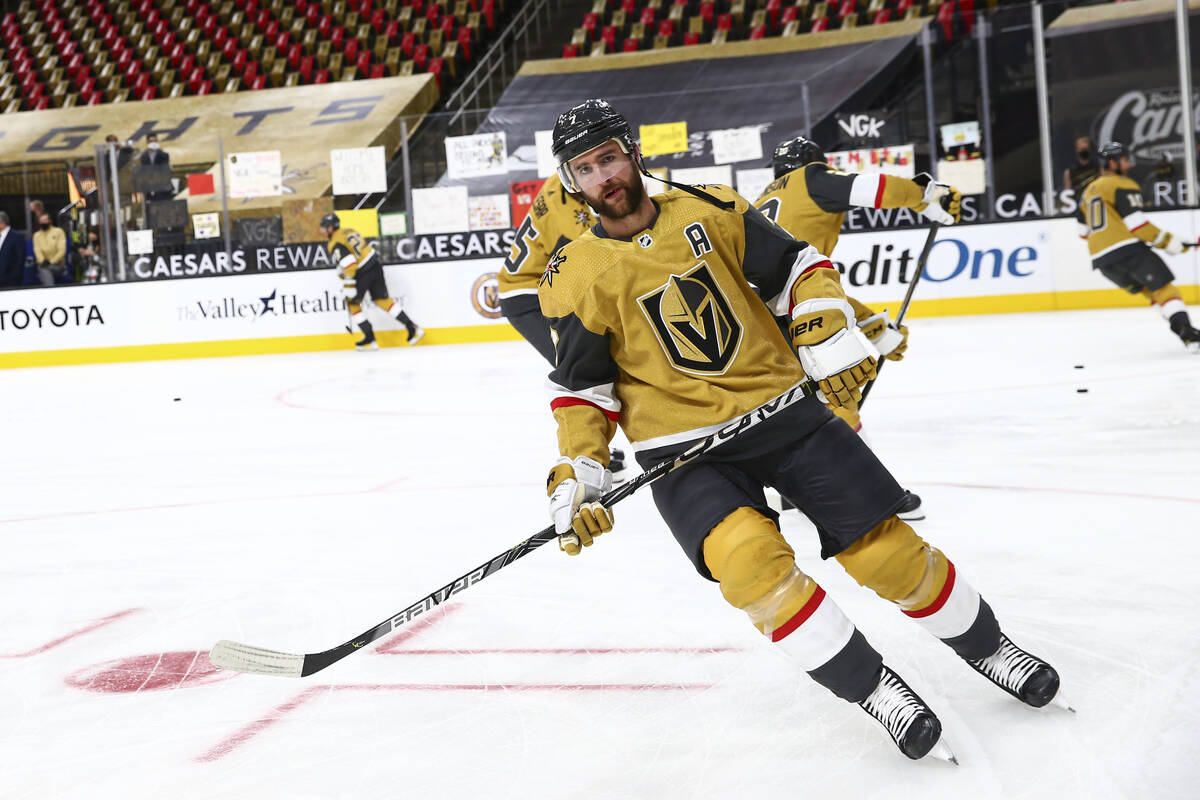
<point x="1035" y="265"/>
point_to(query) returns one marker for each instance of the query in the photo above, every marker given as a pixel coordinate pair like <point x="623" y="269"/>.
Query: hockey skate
<point x="415" y="335"/>
<point x="914" y="728"/>
<point x="367" y="342"/>
<point x="1181" y="326"/>
<point x="1026" y="677"/>
<point x="911" y="511"/>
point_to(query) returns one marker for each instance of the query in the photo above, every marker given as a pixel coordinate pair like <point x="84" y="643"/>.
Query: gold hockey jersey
<point x="349" y="251"/>
<point x="1113" y="216"/>
<point x="672" y="333"/>
<point x="811" y="202"/>
<point x="554" y="219"/>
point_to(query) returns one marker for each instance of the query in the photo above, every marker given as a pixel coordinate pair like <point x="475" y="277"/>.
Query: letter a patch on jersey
<point x="693" y="322"/>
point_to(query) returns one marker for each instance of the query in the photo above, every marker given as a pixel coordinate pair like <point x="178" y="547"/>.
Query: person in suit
<point x="12" y="254"/>
<point x="153" y="155"/>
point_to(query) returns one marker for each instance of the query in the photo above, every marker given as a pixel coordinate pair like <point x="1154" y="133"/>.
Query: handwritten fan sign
<point x="663" y="138"/>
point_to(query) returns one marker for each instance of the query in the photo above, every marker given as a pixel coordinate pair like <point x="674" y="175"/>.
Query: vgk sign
<point x="861" y="127"/>
<point x="693" y="322"/>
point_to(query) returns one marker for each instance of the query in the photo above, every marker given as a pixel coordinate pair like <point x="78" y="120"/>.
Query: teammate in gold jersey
<point x="555" y="218"/>
<point x="664" y="320"/>
<point x="1120" y="238"/>
<point x="809" y="199"/>
<point x="361" y="271"/>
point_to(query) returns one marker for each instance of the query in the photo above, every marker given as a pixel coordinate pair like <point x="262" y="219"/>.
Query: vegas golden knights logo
<point x="693" y="322"/>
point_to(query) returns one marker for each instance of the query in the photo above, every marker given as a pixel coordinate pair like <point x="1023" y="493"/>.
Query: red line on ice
<point x="248" y="732"/>
<point x="100" y="623"/>
<point x="1051" y="490"/>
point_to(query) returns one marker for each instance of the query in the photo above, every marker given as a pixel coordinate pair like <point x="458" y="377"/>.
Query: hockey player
<point x="555" y="218"/>
<point x="1119" y="238"/>
<point x="809" y="199"/>
<point x="664" y="322"/>
<point x="361" y="271"/>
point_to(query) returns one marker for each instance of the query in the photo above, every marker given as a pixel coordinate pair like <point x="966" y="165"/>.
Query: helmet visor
<point x="589" y="170"/>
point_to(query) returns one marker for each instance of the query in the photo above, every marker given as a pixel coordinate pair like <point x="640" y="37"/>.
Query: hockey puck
<point x="1081" y="391"/>
<point x="177" y="399"/>
<point x="1079" y="366"/>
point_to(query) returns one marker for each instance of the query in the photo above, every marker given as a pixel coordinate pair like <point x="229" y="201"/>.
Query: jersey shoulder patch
<point x="569" y="273"/>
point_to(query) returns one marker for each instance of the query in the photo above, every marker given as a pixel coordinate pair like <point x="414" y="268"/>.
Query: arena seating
<point x="61" y="53"/>
<point x="615" y="26"/>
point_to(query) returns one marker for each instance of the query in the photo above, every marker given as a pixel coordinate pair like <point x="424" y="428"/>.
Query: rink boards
<point x="1039" y="265"/>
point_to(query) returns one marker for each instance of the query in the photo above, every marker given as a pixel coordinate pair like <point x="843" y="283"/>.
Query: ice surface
<point x="293" y="501"/>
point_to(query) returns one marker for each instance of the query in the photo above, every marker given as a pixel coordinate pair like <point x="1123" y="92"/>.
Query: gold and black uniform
<point x="671" y="334"/>
<point x="1080" y="177"/>
<point x="361" y="271"/>
<point x="811" y="202"/>
<point x="356" y="260"/>
<point x="554" y="219"/>
<point x="1118" y="235"/>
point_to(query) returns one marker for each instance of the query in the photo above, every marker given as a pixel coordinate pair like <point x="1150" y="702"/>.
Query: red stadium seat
<point x="282" y="39"/>
<point x="325" y="26"/>
<point x="608" y="35"/>
<point x="392" y="30"/>
<point x="691" y="38"/>
<point x="903" y="7"/>
<point x="259" y="82"/>
<point x="725" y="22"/>
<point x="464" y="42"/>
<point x="378" y="71"/>
<point x="294" y="52"/>
<point x="789" y="15"/>
<point x="420" y="56"/>
<point x="758" y="32"/>
<point x="945" y="18"/>
<point x="337" y="37"/>
<point x="630" y="46"/>
<point x="149" y="93"/>
<point x="884" y="15"/>
<point x="239" y="61"/>
<point x="666" y="27"/>
<point x="306" y="68"/>
<point x="846" y="9"/>
<point x="204" y="88"/>
<point x="966" y="10"/>
<point x="436" y="67"/>
<point x="570" y="51"/>
<point x="351" y="49"/>
<point x="408" y="42"/>
<point x="364" y="63"/>
<point x="820" y="24"/>
<point x="322" y="76"/>
<point x="647" y="17"/>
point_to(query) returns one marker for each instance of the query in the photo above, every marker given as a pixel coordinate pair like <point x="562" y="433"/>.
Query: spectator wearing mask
<point x="153" y="155"/>
<point x="1085" y="170"/>
<point x="49" y="250"/>
<point x="92" y="259"/>
<point x="12" y="254"/>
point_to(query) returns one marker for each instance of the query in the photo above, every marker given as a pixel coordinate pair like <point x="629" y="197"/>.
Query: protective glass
<point x="593" y="172"/>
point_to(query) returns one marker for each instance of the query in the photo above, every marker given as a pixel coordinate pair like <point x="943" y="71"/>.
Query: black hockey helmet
<point x="589" y="125"/>
<point x="331" y="220"/>
<point x="1113" y="150"/>
<point x="585" y="127"/>
<point x="794" y="153"/>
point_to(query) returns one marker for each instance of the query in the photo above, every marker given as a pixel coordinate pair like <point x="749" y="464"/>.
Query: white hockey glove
<point x="832" y="350"/>
<point x="942" y="203"/>
<point x="574" y="487"/>
<point x="349" y="288"/>
<point x="891" y="341"/>
<point x="1169" y="244"/>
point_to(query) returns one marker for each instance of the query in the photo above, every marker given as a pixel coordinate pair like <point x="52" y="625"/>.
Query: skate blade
<point x="420" y="335"/>
<point x="942" y="751"/>
<point x="1062" y="703"/>
<point x="367" y="348"/>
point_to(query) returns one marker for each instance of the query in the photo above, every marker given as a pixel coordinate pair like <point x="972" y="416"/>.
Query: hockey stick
<point x="912" y="285"/>
<point x="246" y="658"/>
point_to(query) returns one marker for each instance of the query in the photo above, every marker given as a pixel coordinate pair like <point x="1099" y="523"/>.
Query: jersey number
<point x="525" y="236"/>
<point x="1097" y="214"/>
<point x="770" y="209"/>
<point x="356" y="243"/>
